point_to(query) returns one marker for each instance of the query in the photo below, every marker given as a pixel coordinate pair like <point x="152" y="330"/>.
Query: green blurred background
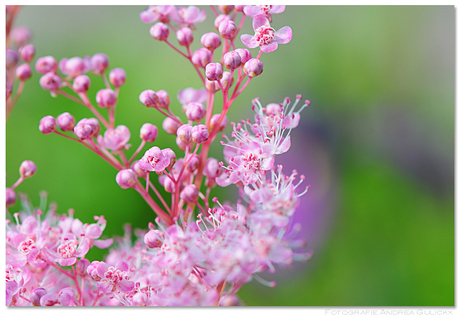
<point x="377" y="143"/>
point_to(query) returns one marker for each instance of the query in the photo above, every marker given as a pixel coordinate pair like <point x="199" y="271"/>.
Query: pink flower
<point x="265" y="10"/>
<point x="156" y="13"/>
<point x="113" y="278"/>
<point x="115" y="139"/>
<point x="265" y="36"/>
<point x="188" y="16"/>
<point x="154" y="160"/>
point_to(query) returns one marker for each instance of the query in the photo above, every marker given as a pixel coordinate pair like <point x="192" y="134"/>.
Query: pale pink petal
<point x="33" y="254"/>
<point x="103" y="244"/>
<point x="122" y="266"/>
<point x="67" y="261"/>
<point x="284" y="146"/>
<point x="126" y="286"/>
<point x="276" y="9"/>
<point x="83" y="248"/>
<point x="148" y="17"/>
<point x="283" y="35"/>
<point x="259" y="21"/>
<point x="269" y="48"/>
<point x="249" y="41"/>
<point x="93" y="231"/>
<point x="252" y="11"/>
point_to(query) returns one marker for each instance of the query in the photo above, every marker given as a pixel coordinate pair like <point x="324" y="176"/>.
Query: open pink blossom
<point x="265" y="36"/>
<point x="188" y="16"/>
<point x="156" y="13"/>
<point x="265" y="10"/>
<point x="154" y="160"/>
<point x="115" y="139"/>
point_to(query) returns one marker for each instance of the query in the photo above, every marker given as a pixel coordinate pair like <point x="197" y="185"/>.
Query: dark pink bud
<point x="184" y="36"/>
<point x="139" y="171"/>
<point x="117" y="77"/>
<point x="253" y="68"/>
<point x="200" y="133"/>
<point x="126" y="178"/>
<point x="184" y="133"/>
<point x="106" y="98"/>
<point x="154" y="238"/>
<point x="219" y="19"/>
<point x="46" y="64"/>
<point x="159" y="31"/>
<point x="50" y="81"/>
<point x="66" y="121"/>
<point x="28" y="53"/>
<point x="36" y="295"/>
<point x="214" y="120"/>
<point x="149" y="98"/>
<point x="163" y="99"/>
<point x="227" y="78"/>
<point x="214" y="71"/>
<point x="201" y="57"/>
<point x="245" y="54"/>
<point x="82" y="265"/>
<point x="47" y="124"/>
<point x="170" y="126"/>
<point x="189" y="194"/>
<point x="99" y="63"/>
<point x="226" y="9"/>
<point x="210" y="40"/>
<point x="27" y="169"/>
<point x="11" y="59"/>
<point x="23" y="72"/>
<point x="81" y="83"/>
<point x="149" y="132"/>
<point x="232" y="60"/>
<point x="195" y="111"/>
<point x="10" y="197"/>
<point x="74" y="66"/>
<point x="227" y="29"/>
<point x="193" y="163"/>
<point x="20" y="35"/>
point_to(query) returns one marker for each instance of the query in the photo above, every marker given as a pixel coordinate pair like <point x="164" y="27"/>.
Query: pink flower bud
<point x="106" y="98"/>
<point x="159" y="31"/>
<point x="139" y="171"/>
<point x="169" y="185"/>
<point x="27" y="169"/>
<point x="163" y="99"/>
<point x="232" y="60"/>
<point x="214" y="120"/>
<point x="11" y="59"/>
<point x="210" y="40"/>
<point x="195" y="111"/>
<point x="23" y="72"/>
<point x="10" y="197"/>
<point x="36" y="295"/>
<point x="193" y="163"/>
<point x="189" y="194"/>
<point x="200" y="133"/>
<point x="126" y="178"/>
<point x="83" y="131"/>
<point x="50" y="81"/>
<point x="182" y="145"/>
<point x="74" y="66"/>
<point x="28" y="53"/>
<point x="149" y="132"/>
<point x="201" y="57"/>
<point x="226" y="9"/>
<point x="184" y="133"/>
<point x="211" y="86"/>
<point x="99" y="63"/>
<point x="20" y="35"/>
<point x="46" y="64"/>
<point x="47" y="124"/>
<point x="212" y="168"/>
<point x="92" y="270"/>
<point x="82" y="266"/>
<point x="171" y="155"/>
<point x="149" y="98"/>
<point x="66" y="121"/>
<point x="227" y="78"/>
<point x="219" y="19"/>
<point x="214" y="71"/>
<point x="117" y="77"/>
<point x="170" y="126"/>
<point x="81" y="83"/>
<point x="245" y="54"/>
<point x="227" y="29"/>
<point x="239" y="8"/>
<point x="253" y="68"/>
<point x="154" y="238"/>
<point x="184" y="36"/>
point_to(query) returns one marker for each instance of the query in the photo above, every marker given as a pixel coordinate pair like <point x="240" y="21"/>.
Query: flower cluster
<point x="199" y="251"/>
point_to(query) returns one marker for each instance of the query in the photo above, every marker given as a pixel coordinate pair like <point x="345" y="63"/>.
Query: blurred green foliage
<point x="391" y="241"/>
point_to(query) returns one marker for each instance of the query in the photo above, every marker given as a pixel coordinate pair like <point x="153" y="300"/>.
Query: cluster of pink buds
<point x="199" y="251"/>
<point x="19" y="55"/>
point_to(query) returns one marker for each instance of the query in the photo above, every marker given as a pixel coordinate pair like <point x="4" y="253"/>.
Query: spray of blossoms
<point x="199" y="251"/>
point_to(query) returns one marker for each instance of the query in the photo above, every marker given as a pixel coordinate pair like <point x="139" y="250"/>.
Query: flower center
<point x="265" y="8"/>
<point x="251" y="161"/>
<point x="153" y="160"/>
<point x="113" y="275"/>
<point x="67" y="249"/>
<point x="265" y="35"/>
<point x="26" y="246"/>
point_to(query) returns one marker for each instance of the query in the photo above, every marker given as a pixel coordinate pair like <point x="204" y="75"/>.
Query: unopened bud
<point x="184" y="133"/>
<point x="106" y="98"/>
<point x="47" y="124"/>
<point x="126" y="178"/>
<point x="148" y="98"/>
<point x="154" y="238"/>
<point x="50" y="81"/>
<point x="189" y="194"/>
<point x="46" y="64"/>
<point x="170" y="126"/>
<point x="232" y="60"/>
<point x="27" y="169"/>
<point x="99" y="63"/>
<point x="227" y="29"/>
<point x="23" y="72"/>
<point x="210" y="40"/>
<point x="28" y="52"/>
<point x="159" y="31"/>
<point x="66" y="121"/>
<point x="81" y="83"/>
<point x="117" y="77"/>
<point x="214" y="71"/>
<point x="195" y="111"/>
<point x="201" y="57"/>
<point x="149" y="132"/>
<point x="245" y="54"/>
<point x="184" y="36"/>
<point x="253" y="68"/>
<point x="200" y="133"/>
